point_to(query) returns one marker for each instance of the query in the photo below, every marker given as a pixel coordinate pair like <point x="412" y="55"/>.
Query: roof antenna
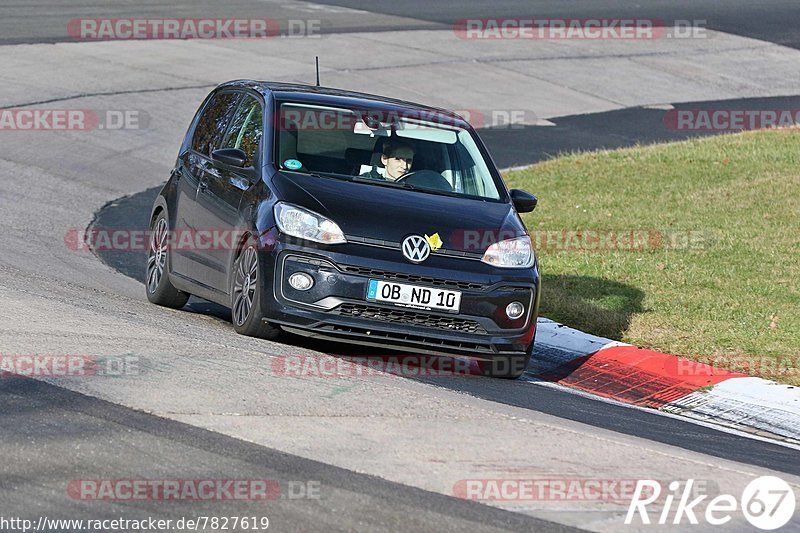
<point x="317" y="59"/>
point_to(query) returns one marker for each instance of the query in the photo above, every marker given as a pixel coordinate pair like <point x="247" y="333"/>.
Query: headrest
<point x="377" y="151"/>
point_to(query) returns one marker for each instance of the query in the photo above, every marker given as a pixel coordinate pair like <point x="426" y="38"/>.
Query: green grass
<point x="731" y="296"/>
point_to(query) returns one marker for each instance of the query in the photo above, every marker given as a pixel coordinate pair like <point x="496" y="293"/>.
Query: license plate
<point x="412" y="296"/>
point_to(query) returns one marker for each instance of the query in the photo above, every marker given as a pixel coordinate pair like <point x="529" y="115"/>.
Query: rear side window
<point x="213" y="123"/>
<point x="246" y="130"/>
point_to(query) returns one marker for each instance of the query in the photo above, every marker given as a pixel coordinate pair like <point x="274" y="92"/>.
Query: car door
<point x="193" y="166"/>
<point x="219" y="197"/>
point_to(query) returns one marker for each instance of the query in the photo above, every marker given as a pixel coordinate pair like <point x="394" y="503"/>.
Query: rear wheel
<point x="246" y="291"/>
<point x="160" y="290"/>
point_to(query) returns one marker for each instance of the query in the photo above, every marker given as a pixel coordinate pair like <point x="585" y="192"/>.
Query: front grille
<point x="413" y="318"/>
<point x="406" y="340"/>
<point x="411" y="278"/>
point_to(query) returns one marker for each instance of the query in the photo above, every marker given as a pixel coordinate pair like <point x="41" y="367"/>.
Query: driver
<point x="396" y="157"/>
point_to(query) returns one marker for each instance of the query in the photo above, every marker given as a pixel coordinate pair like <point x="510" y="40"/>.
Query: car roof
<point x="343" y="98"/>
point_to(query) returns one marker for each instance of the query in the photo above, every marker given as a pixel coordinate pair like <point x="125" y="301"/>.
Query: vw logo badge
<point x="416" y="249"/>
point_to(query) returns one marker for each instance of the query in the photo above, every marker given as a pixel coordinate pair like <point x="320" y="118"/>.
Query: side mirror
<point x="232" y="157"/>
<point x="524" y="202"/>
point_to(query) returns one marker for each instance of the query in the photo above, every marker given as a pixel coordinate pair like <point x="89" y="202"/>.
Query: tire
<point x="510" y="367"/>
<point x="246" y="290"/>
<point x="160" y="290"/>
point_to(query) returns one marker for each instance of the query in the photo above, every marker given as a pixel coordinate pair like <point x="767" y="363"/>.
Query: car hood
<point x="377" y="212"/>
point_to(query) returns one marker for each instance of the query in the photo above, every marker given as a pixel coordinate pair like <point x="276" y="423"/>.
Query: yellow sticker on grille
<point x="434" y="241"/>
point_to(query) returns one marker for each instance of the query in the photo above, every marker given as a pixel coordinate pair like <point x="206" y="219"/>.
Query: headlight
<point x="299" y="222"/>
<point x="511" y="253"/>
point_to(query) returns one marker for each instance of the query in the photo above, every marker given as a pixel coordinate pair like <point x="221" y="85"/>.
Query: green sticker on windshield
<point x="293" y="164"/>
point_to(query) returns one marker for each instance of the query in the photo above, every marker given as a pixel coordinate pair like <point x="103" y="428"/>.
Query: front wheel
<point x="160" y="290"/>
<point x="246" y="291"/>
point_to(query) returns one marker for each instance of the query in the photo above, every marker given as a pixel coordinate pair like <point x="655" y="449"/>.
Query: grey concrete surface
<point x="771" y="20"/>
<point x="46" y="20"/>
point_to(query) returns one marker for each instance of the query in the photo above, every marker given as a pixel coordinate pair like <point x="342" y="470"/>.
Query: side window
<point x="213" y="122"/>
<point x="247" y="127"/>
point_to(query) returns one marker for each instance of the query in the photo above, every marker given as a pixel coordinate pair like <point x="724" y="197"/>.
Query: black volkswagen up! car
<point x="349" y="217"/>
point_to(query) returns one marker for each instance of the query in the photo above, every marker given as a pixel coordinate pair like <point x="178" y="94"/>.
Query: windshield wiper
<point x="384" y="183"/>
<point x="408" y="186"/>
<point x="326" y="175"/>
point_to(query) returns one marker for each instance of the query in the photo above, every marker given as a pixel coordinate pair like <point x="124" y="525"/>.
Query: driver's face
<point x="398" y="164"/>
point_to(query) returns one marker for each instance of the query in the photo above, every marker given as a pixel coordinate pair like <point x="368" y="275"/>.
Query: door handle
<point x="203" y="185"/>
<point x="211" y="171"/>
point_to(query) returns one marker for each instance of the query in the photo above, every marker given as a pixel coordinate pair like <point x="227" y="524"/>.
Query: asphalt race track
<point x="106" y="433"/>
<point x="362" y="453"/>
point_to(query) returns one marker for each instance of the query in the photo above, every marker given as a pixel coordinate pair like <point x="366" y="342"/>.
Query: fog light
<point x="301" y="281"/>
<point x="514" y="310"/>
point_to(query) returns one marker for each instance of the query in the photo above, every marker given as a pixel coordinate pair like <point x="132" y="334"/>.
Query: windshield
<point x="382" y="149"/>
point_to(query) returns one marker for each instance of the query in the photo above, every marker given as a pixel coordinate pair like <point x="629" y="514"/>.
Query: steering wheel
<point x="427" y="179"/>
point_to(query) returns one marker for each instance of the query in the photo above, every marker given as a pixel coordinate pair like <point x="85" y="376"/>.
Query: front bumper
<point x="336" y="308"/>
